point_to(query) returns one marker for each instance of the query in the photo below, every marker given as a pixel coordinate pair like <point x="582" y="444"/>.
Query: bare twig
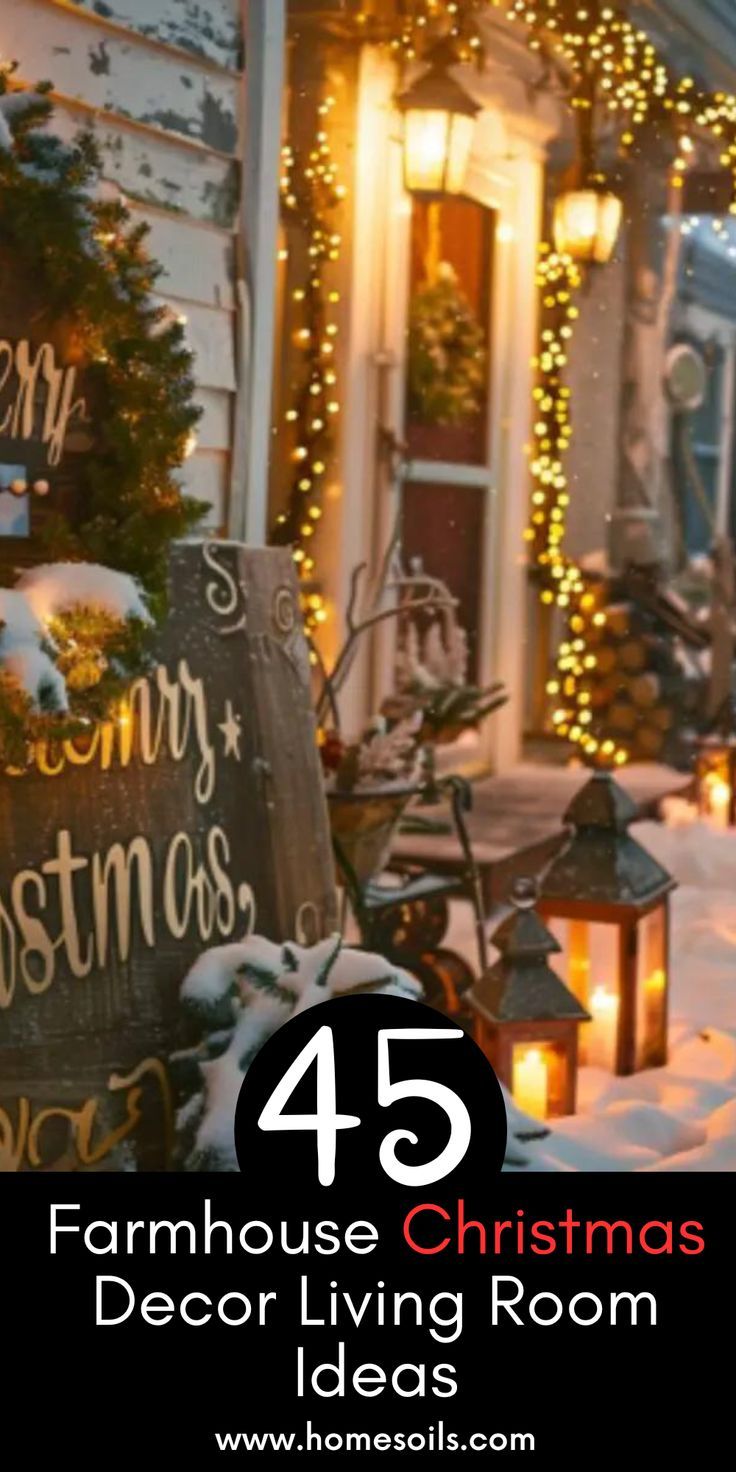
<point x="435" y="598"/>
<point x="326" y="693"/>
<point x="355" y="578"/>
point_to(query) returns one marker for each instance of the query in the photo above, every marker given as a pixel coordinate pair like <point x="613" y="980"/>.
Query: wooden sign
<point x="46" y="417"/>
<point x="193" y="818"/>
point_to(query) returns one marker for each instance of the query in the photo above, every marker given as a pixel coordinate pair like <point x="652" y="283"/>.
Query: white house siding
<point x="159" y="84"/>
<point x="208" y="28"/>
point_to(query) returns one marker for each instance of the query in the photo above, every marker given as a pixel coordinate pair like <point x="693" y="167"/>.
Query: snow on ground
<point x="681" y="1117"/>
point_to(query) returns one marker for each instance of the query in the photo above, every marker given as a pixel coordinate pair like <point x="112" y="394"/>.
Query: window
<point x="703" y="453"/>
<point x="447" y="350"/>
<point x="698" y="463"/>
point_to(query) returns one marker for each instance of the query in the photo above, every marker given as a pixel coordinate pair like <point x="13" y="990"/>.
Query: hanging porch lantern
<point x="526" y="1020"/>
<point x="587" y="213"/>
<point x="587" y="222"/>
<point x="607" y="902"/>
<point x="439" y="123"/>
<point x="715" y="780"/>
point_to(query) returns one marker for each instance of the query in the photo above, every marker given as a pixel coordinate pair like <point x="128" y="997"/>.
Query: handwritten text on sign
<point x="82" y="888"/>
<point x="25" y="370"/>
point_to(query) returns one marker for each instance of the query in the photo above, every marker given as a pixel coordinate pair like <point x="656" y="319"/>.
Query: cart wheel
<point x="446" y="977"/>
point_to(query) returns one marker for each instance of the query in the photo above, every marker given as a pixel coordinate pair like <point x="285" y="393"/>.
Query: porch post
<point x="265" y="41"/>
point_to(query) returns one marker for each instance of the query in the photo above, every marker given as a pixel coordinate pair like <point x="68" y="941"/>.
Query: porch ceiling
<point x="698" y="36"/>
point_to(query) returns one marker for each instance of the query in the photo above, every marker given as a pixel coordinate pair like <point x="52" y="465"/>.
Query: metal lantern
<point x="607" y="902"/>
<point x="715" y="779"/>
<point x="526" y="1020"/>
<point x="439" y="123"/>
<point x="586" y="224"/>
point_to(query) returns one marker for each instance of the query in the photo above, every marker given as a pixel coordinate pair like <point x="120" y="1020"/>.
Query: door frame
<point x="506" y="175"/>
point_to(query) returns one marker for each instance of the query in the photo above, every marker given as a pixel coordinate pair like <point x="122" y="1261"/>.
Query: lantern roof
<point x="603" y="864"/>
<point x="436" y="90"/>
<point x="521" y="986"/>
<point x="601" y="803"/>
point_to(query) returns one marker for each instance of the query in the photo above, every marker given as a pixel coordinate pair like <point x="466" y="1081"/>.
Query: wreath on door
<point x="446" y="353"/>
<point x="77" y="625"/>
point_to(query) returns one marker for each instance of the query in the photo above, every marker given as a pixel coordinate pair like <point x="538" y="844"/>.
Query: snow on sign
<point x="194" y="816"/>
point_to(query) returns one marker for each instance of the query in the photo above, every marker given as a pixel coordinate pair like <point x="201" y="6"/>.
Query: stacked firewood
<point x="647" y="684"/>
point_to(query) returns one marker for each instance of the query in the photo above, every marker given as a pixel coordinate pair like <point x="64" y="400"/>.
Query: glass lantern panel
<point x="610" y="214"/>
<point x="589" y="965"/>
<point x="651" y="988"/>
<point x="586" y="224"/>
<point x="539" y="1078"/>
<point x="462" y="129"/>
<point x="426" y="147"/>
<point x="575" y="223"/>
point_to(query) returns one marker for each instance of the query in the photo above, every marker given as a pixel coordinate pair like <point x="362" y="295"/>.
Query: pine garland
<point x="78" y="243"/>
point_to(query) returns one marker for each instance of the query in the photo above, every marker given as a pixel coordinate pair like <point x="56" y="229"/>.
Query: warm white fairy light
<point x="310" y="192"/>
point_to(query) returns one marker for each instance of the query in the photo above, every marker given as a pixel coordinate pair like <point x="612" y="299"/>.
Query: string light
<point x="558" y="280"/>
<point x="456" y="19"/>
<point x="633" y="82"/>
<point x="311" y="194"/>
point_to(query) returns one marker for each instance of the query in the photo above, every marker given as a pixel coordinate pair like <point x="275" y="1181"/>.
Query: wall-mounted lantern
<point x="607" y="902"/>
<point x="439" y="123"/>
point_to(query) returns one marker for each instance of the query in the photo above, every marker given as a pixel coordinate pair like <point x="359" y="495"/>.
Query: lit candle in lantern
<point x="530" y="1089"/>
<point x="718" y="800"/>
<point x="601" y="1032"/>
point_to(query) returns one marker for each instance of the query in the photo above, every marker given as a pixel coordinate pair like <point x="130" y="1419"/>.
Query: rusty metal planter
<point x="363" y="825"/>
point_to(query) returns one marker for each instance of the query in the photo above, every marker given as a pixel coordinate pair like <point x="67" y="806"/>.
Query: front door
<point x="446" y="476"/>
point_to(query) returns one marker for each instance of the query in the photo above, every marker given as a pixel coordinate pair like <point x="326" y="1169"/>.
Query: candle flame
<point x="718" y="790"/>
<point x="603" y="1001"/>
